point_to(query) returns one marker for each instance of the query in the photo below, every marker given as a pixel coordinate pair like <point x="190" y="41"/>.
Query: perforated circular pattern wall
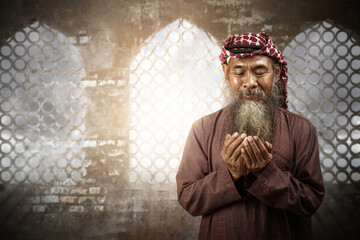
<point x="324" y="86"/>
<point x="175" y="79"/>
<point x="40" y="108"/>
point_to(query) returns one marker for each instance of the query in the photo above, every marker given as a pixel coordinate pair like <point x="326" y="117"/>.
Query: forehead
<point x="251" y="61"/>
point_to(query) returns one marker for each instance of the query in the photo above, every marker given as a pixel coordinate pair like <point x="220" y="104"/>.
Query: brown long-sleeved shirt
<point x="277" y="204"/>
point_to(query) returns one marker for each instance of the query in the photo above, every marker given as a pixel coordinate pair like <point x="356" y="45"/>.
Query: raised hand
<point x="230" y="154"/>
<point x="256" y="154"/>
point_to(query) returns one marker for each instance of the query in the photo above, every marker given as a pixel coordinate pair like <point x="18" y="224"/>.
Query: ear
<point x="278" y="70"/>
<point x="224" y="68"/>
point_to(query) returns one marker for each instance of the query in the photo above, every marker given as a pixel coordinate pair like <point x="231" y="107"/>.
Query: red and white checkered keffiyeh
<point x="265" y="47"/>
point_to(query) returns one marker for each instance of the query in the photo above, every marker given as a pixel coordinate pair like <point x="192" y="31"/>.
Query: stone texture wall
<point x="109" y="34"/>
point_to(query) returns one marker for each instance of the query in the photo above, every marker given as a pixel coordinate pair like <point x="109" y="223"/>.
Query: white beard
<point x="254" y="119"/>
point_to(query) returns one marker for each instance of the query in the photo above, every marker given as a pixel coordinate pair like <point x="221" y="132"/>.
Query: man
<point x="252" y="168"/>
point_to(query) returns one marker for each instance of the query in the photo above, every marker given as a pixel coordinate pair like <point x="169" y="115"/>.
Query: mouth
<point x="250" y="98"/>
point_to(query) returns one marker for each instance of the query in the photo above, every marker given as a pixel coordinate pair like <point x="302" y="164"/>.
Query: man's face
<point x="251" y="75"/>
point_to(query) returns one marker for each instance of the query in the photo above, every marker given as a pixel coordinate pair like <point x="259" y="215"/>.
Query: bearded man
<point x="252" y="169"/>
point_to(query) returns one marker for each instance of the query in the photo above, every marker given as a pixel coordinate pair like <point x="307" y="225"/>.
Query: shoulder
<point x="210" y="120"/>
<point x="296" y="122"/>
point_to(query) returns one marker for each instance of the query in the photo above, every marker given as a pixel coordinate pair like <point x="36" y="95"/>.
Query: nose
<point x="249" y="82"/>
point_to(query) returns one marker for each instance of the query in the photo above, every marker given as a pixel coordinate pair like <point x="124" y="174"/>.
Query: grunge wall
<point x="73" y="173"/>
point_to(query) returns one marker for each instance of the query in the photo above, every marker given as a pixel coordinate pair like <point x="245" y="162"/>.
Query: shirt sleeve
<point x="200" y="192"/>
<point x="299" y="191"/>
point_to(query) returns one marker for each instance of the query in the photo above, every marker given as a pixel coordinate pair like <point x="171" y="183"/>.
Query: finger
<point x="228" y="140"/>
<point x="268" y="146"/>
<point x="245" y="158"/>
<point x="234" y="143"/>
<point x="253" y="141"/>
<point x="248" y="149"/>
<point x="262" y="149"/>
<point x="237" y="145"/>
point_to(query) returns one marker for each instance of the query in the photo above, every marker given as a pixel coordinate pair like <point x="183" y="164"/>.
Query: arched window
<point x="174" y="80"/>
<point x="40" y="108"/>
<point x="324" y="80"/>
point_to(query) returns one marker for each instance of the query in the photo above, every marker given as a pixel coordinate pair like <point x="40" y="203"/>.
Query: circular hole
<point x="48" y="36"/>
<point x="19" y="64"/>
<point x="355" y="92"/>
<point x="355" y="177"/>
<point x="5" y="77"/>
<point x="342" y="78"/>
<point x="6" y="176"/>
<point x="355" y="106"/>
<point x="342" y="106"/>
<point x="300" y="64"/>
<point x="314" y="37"/>
<point x="328" y="64"/>
<point x="314" y="64"/>
<point x="5" y="64"/>
<point x="174" y="51"/>
<point x="328" y="134"/>
<point x="33" y="176"/>
<point x="328" y="36"/>
<point x="6" y="134"/>
<point x="20" y="50"/>
<point x="342" y="36"/>
<point x="5" y="50"/>
<point x="328" y="50"/>
<point x="300" y="92"/>
<point x="342" y="50"/>
<point x="355" y="120"/>
<point x="47" y="106"/>
<point x="5" y="162"/>
<point x="174" y="163"/>
<point x="328" y="78"/>
<point x="6" y="120"/>
<point x="328" y="163"/>
<point x="20" y="176"/>
<point x="76" y="176"/>
<point x="174" y="149"/>
<point x="145" y="177"/>
<point x="355" y="134"/>
<point x="342" y="64"/>
<point x="19" y="147"/>
<point x="328" y="106"/>
<point x="355" y="148"/>
<point x="20" y="162"/>
<point x="355" y="50"/>
<point x="62" y="176"/>
<point x="341" y="176"/>
<point x="341" y="149"/>
<point x="174" y="37"/>
<point x="342" y="120"/>
<point x="355" y="64"/>
<point x="300" y="38"/>
<point x="342" y="92"/>
<point x="300" y="50"/>
<point x="160" y="177"/>
<point x="20" y="36"/>
<point x="61" y="163"/>
<point x="328" y="121"/>
<point x="76" y="148"/>
<point x="76" y="163"/>
<point x="160" y="163"/>
<point x="33" y="36"/>
<point x="355" y="162"/>
<point x="6" y="147"/>
<point x="34" y="51"/>
<point x="328" y="149"/>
